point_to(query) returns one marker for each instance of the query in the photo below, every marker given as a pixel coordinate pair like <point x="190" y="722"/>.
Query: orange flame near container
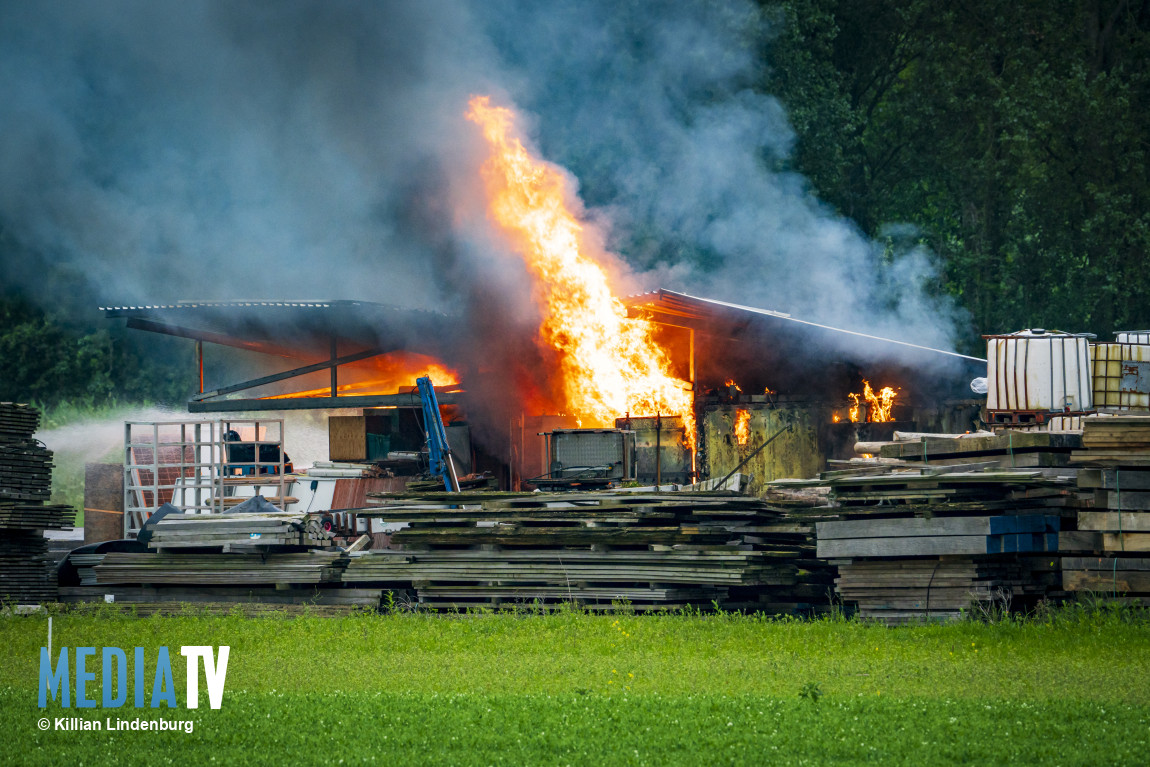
<point x="742" y="426"/>
<point x="879" y="405"/>
<point x="610" y="363"/>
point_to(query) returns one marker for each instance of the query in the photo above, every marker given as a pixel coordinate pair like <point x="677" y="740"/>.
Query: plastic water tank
<point x="1039" y="371"/>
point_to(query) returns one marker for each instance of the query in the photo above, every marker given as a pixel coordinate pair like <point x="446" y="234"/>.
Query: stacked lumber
<point x="914" y="541"/>
<point x="650" y="550"/>
<point x="149" y="598"/>
<point x="1119" y="520"/>
<point x="1115" y="441"/>
<point x="938" y="536"/>
<point x="27" y="572"/>
<point x="269" y="531"/>
<point x="132" y="568"/>
<point x="939" y="588"/>
<point x="1006" y="450"/>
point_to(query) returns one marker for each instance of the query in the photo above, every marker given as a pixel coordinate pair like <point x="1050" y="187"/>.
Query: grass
<point x="574" y="688"/>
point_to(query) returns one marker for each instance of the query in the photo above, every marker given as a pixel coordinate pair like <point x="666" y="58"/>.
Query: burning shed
<point x="749" y="374"/>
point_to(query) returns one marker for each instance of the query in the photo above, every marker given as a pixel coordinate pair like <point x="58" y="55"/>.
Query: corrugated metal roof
<point x="694" y="307"/>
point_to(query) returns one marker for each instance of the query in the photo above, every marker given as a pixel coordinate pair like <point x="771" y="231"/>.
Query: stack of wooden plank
<point x="892" y="531"/>
<point x="1115" y="440"/>
<point x="273" y="531"/>
<point x="35" y="516"/>
<point x="148" y="599"/>
<point x="27" y="573"/>
<point x="17" y="422"/>
<point x="131" y="568"/>
<point x="1005" y="450"/>
<point x="652" y="550"/>
<point x="939" y="588"/>
<point x="1117" y="454"/>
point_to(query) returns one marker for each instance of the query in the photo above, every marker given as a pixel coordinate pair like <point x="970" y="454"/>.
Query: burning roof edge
<point x="665" y="300"/>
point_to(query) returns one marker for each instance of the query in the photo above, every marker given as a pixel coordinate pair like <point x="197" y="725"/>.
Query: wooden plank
<point x="1118" y="542"/>
<point x="903" y="547"/>
<point x="1114" y="479"/>
<point x="938" y="526"/>
<point x="347" y="438"/>
<point x="1121" y="581"/>
<point x="1113" y="521"/>
<point x="1125" y="500"/>
<point x="1106" y="564"/>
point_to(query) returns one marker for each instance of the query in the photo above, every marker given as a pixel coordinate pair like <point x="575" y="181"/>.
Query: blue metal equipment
<point x="439" y="451"/>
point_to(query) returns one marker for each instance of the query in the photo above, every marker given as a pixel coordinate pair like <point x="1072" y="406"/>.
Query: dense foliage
<point x="1012" y="136"/>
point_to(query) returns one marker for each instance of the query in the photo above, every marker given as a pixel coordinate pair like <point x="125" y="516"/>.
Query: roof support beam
<point x="404" y="400"/>
<point x="273" y="378"/>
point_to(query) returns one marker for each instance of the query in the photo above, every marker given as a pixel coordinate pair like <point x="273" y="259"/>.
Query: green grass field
<point x="579" y="689"/>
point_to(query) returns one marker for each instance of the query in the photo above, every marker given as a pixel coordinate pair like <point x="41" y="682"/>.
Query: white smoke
<point x="305" y="150"/>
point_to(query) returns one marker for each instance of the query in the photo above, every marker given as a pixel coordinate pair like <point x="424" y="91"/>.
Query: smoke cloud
<point x="307" y="150"/>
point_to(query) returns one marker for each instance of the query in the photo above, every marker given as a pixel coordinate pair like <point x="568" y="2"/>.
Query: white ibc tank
<point x="1132" y="337"/>
<point x="1039" y="371"/>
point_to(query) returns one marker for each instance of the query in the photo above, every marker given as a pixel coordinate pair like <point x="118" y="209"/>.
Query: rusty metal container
<point x="1037" y="374"/>
<point x="1121" y="372"/>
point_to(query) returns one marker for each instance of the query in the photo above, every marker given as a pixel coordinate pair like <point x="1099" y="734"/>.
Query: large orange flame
<point x="610" y="364"/>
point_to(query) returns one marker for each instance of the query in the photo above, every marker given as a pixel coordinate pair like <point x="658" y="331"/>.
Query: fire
<point x="742" y="426"/>
<point x="835" y="418"/>
<point x="879" y="405"/>
<point x="610" y="364"/>
<point x="383" y="375"/>
<point x="731" y="383"/>
<point x="853" y="413"/>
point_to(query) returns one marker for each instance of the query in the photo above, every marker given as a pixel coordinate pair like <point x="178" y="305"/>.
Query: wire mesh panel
<point x="196" y="465"/>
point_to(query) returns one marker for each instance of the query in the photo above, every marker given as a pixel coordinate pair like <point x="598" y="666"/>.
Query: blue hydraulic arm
<point x="437" y="447"/>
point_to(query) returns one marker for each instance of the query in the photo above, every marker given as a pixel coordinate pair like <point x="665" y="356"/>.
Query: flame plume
<point x="610" y="364"/>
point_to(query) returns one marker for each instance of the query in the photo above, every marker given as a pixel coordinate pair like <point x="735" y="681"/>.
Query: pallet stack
<point x="1116" y="452"/>
<point x="27" y="574"/>
<point x="653" y="551"/>
<point x="913" y="541"/>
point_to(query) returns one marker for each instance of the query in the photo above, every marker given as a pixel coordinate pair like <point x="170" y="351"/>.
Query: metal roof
<point x="673" y="308"/>
<point x="291" y="328"/>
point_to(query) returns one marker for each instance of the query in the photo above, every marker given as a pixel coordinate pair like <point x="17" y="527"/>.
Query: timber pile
<point x="272" y="531"/>
<point x="150" y="599"/>
<point x="1005" y="450"/>
<point x="913" y="540"/>
<point x="136" y="569"/>
<point x="27" y="573"/>
<point x="239" y="553"/>
<point x="1117" y="450"/>
<point x="652" y="550"/>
